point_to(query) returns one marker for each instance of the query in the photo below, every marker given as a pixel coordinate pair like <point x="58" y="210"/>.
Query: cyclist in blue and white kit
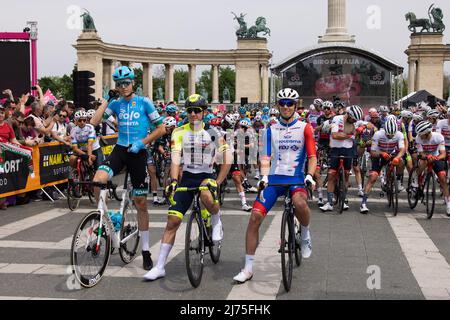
<point x="285" y="148"/>
<point x="135" y="115"/>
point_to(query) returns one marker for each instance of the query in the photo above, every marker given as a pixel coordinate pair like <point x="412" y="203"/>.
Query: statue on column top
<point x="88" y="22"/>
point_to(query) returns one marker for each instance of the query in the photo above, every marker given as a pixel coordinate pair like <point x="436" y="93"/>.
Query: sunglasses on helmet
<point x="123" y="84"/>
<point x="287" y="103"/>
<point x="196" y="110"/>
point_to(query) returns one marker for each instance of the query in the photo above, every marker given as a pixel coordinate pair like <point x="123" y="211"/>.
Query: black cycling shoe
<point x="147" y="262"/>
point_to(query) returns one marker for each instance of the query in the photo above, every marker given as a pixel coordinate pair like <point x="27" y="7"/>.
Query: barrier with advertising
<point x="50" y="167"/>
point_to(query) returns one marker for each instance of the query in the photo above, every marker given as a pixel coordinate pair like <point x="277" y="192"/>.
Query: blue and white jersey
<point x="135" y="118"/>
<point x="288" y="145"/>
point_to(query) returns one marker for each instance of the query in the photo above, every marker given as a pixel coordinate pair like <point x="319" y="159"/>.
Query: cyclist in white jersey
<point x="286" y="146"/>
<point x="385" y="143"/>
<point x="431" y="148"/>
<point x="443" y="127"/>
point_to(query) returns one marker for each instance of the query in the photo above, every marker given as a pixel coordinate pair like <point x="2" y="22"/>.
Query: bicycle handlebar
<point x="187" y="189"/>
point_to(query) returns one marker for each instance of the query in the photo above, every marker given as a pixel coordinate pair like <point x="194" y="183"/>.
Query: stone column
<point x="113" y="68"/>
<point x="191" y="78"/>
<point x="169" y="83"/>
<point x="107" y="73"/>
<point x="264" y="84"/>
<point x="147" y="79"/>
<point x="337" y="23"/>
<point x="93" y="62"/>
<point x="215" y="83"/>
<point x="411" y="76"/>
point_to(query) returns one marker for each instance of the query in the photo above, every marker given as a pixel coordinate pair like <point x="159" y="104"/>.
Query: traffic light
<point x="82" y="88"/>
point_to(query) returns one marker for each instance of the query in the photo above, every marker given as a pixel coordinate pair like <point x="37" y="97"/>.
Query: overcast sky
<point x="208" y="24"/>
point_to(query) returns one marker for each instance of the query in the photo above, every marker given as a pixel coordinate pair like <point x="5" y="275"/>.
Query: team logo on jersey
<point x="133" y="104"/>
<point x="294" y="148"/>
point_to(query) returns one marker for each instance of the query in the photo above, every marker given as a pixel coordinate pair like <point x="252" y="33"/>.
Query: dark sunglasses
<point x="81" y="120"/>
<point x="123" y="84"/>
<point x="326" y="108"/>
<point x="196" y="110"/>
<point x="63" y="115"/>
<point x="287" y="103"/>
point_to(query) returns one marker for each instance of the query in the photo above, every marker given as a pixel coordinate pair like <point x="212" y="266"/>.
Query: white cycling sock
<point x="145" y="236"/>
<point x="320" y="192"/>
<point x="243" y="199"/>
<point x="360" y="187"/>
<point x="305" y="232"/>
<point x="163" y="254"/>
<point x="249" y="262"/>
<point x="215" y="218"/>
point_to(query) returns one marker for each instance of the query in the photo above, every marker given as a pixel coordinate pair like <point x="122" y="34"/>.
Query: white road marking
<point x="267" y="268"/>
<point x="428" y="265"/>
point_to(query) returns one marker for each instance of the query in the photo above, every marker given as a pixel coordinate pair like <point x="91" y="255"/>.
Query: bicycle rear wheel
<point x="413" y="197"/>
<point x="72" y="189"/>
<point x="129" y="229"/>
<point x="89" y="261"/>
<point x="89" y="176"/>
<point x="430" y="194"/>
<point x="287" y="249"/>
<point x="214" y="249"/>
<point x="194" y="249"/>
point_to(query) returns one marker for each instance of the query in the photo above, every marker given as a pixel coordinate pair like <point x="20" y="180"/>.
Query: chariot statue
<point x="88" y="22"/>
<point x="433" y="24"/>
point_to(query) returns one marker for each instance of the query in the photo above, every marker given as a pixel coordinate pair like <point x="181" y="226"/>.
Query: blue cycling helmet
<point x="265" y="110"/>
<point x="183" y="115"/>
<point x="122" y="73"/>
<point x="242" y="110"/>
<point x="208" y="118"/>
<point x="171" y="108"/>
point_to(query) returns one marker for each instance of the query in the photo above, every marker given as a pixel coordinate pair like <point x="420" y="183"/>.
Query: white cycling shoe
<point x="217" y="231"/>
<point x="345" y="206"/>
<point x="327" y="207"/>
<point x="246" y="207"/>
<point x="448" y="209"/>
<point x="306" y="247"/>
<point x="361" y="193"/>
<point x="363" y="208"/>
<point x="155" y="273"/>
<point x="243" y="276"/>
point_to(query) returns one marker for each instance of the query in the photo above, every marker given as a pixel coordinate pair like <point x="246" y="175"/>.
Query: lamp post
<point x="33" y="38"/>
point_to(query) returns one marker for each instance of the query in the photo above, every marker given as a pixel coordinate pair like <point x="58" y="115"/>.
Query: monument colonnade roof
<point x="94" y="45"/>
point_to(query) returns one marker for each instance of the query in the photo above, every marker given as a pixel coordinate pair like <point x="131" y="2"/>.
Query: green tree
<point x="61" y="87"/>
<point x="204" y="83"/>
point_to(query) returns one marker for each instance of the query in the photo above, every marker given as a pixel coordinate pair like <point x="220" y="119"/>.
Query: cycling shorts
<point x="337" y="152"/>
<point x="378" y="164"/>
<point x="439" y="166"/>
<point x="99" y="158"/>
<point x="184" y="199"/>
<point x="136" y="164"/>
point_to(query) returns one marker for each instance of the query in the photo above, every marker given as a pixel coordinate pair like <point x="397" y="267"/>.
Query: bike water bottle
<point x="117" y="220"/>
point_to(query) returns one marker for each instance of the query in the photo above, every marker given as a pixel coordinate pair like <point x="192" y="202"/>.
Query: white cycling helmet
<point x="433" y="113"/>
<point x="328" y="104"/>
<point x="391" y="117"/>
<point x="424" y="127"/>
<point x="236" y="117"/>
<point x="417" y="117"/>
<point x="257" y="118"/>
<point x="90" y="113"/>
<point x="355" y="112"/>
<point x="259" y="113"/>
<point x="274" y="112"/>
<point x="383" y="109"/>
<point x="170" y="122"/>
<point x="288" y="93"/>
<point x="80" y="114"/>
<point x="244" y="123"/>
<point x="406" y="114"/>
<point x="230" y="119"/>
<point x="318" y="102"/>
<point x="390" y="127"/>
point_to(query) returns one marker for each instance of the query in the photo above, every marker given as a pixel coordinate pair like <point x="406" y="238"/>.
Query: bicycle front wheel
<point x="287" y="249"/>
<point x="194" y="249"/>
<point x="430" y="194"/>
<point x="88" y="256"/>
<point x="130" y="232"/>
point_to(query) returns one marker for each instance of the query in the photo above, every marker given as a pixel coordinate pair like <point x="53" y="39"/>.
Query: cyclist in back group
<point x="285" y="148"/>
<point x="197" y="148"/>
<point x="384" y="143"/>
<point x="341" y="143"/>
<point x="443" y="127"/>
<point x="135" y="116"/>
<point x="431" y="148"/>
<point x="84" y="142"/>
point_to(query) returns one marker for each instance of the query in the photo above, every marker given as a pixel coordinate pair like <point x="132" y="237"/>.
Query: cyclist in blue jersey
<point x="135" y="116"/>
